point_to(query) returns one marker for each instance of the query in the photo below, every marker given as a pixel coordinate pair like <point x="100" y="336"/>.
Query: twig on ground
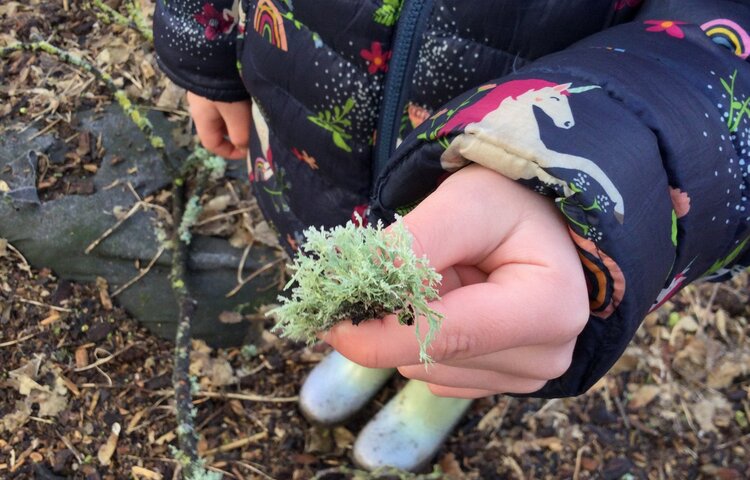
<point x="133" y="210"/>
<point x="236" y="444"/>
<point x="143" y="272"/>
<point x="236" y="396"/>
<point x="579" y="458"/>
<point x="108" y="358"/>
<point x="620" y="407"/>
<point x="18" y="340"/>
<point x="219" y="216"/>
<point x="70" y="447"/>
<point x="253" y="275"/>
<point x="253" y="469"/>
<point x="241" y="265"/>
<point x="27" y="267"/>
<point x="733" y="442"/>
<point x="40" y="304"/>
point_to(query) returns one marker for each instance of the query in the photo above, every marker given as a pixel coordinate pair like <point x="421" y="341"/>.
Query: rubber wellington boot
<point x="337" y="388"/>
<point x="409" y="430"/>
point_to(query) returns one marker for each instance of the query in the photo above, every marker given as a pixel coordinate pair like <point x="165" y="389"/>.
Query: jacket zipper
<point x="411" y="23"/>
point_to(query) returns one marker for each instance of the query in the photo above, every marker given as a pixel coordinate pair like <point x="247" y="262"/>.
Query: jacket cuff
<point x="196" y="46"/>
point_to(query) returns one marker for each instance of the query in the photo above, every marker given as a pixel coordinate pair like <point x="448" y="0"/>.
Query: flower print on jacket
<point x="680" y="201"/>
<point x="305" y="157"/>
<point x="216" y="23"/>
<point x="377" y="59"/>
<point x="672" y="27"/>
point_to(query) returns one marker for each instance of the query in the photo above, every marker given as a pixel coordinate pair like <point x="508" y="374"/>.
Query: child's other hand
<point x="513" y="294"/>
<point x="223" y="128"/>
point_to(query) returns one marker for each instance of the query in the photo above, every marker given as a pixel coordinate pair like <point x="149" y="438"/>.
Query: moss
<point x="354" y="273"/>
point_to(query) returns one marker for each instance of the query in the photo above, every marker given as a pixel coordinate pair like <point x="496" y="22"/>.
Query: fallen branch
<point x="134" y="21"/>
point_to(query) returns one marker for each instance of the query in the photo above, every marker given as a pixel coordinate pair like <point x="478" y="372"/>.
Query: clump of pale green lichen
<point x="358" y="273"/>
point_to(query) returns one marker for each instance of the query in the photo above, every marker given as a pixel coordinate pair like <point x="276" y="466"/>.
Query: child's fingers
<point x="468" y="393"/>
<point x="458" y="276"/>
<point x="212" y="132"/>
<point x="541" y="362"/>
<point x="452" y="227"/>
<point x="479" y="319"/>
<point x="456" y="377"/>
<point x="236" y="117"/>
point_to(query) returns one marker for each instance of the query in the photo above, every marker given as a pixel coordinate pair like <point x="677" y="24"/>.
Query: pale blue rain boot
<point x="337" y="388"/>
<point x="409" y="430"/>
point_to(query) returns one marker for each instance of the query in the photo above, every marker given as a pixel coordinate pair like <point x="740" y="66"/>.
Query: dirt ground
<point x="677" y="405"/>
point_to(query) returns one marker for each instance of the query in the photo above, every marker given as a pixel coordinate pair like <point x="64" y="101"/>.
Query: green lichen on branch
<point x="357" y="273"/>
<point x="134" y="19"/>
<point x="132" y="112"/>
<point x="208" y="167"/>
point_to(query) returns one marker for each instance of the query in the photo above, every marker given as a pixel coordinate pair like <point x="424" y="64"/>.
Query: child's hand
<point x="513" y="294"/>
<point x="224" y="128"/>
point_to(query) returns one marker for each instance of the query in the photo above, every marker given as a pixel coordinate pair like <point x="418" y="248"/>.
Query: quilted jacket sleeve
<point x="640" y="134"/>
<point x="195" y="46"/>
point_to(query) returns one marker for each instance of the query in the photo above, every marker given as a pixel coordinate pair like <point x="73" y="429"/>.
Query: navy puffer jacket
<point x="631" y="114"/>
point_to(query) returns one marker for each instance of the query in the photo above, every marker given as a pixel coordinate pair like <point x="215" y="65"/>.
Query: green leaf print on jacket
<point x="335" y="123"/>
<point x="737" y="109"/>
<point x="388" y="13"/>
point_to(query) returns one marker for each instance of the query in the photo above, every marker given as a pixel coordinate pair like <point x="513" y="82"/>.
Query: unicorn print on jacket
<point x="501" y="132"/>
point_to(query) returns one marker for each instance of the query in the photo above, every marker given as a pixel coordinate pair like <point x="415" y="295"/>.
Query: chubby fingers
<point x="541" y="362"/>
<point x="237" y="117"/>
<point x="518" y="370"/>
<point x="462" y="378"/>
<point x="223" y="128"/>
<point x="506" y="312"/>
<point x="469" y="393"/>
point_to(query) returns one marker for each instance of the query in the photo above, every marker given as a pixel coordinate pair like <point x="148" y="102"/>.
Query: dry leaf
<point x="147" y="70"/>
<point x="450" y="466"/>
<point x="171" y="96"/>
<point x="343" y="438"/>
<point x="140" y="472"/>
<point x="222" y="373"/>
<point x="16" y="419"/>
<point x="552" y="443"/>
<point x="211" y="372"/>
<point x="3" y="246"/>
<point x="628" y="362"/>
<point x="686" y="324"/>
<point x="4" y="188"/>
<point x="52" y="399"/>
<point x="108" y="448"/>
<point x="216" y="205"/>
<point x="721" y="322"/>
<point x="264" y="234"/>
<point x="116" y="52"/>
<point x="643" y="396"/>
<point x="101" y="284"/>
<point x="241" y="238"/>
<point x="724" y="375"/>
<point x="230" y="317"/>
<point x="709" y="409"/>
<point x="9" y="9"/>
<point x="691" y="355"/>
<point x="82" y="357"/>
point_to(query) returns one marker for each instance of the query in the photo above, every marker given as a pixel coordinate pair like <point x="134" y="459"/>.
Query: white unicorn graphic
<point x="264" y="164"/>
<point x="501" y="133"/>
